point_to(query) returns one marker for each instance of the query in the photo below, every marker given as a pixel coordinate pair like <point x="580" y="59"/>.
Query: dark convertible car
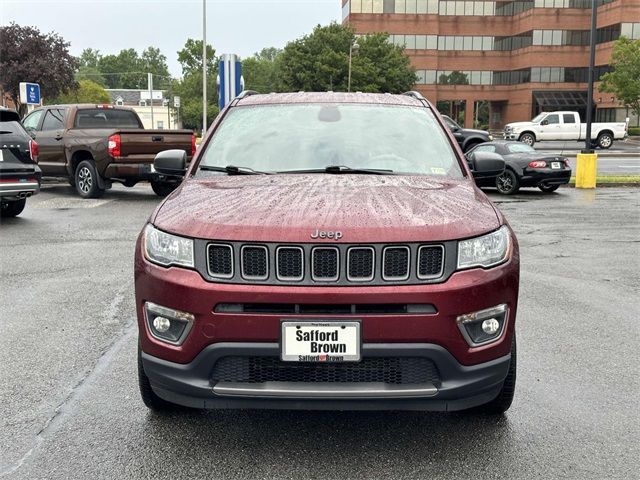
<point x="19" y="173"/>
<point x="525" y="167"/>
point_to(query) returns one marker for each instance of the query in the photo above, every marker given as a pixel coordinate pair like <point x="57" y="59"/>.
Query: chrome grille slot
<point x="255" y="262"/>
<point x="325" y="265"/>
<point x="430" y="261"/>
<point x="290" y="263"/>
<point x="395" y="263"/>
<point x="220" y="262"/>
<point x="360" y="264"/>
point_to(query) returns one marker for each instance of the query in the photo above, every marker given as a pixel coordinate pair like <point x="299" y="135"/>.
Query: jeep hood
<point x="289" y="208"/>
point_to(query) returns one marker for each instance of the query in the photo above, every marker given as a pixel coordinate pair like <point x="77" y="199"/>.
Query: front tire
<point x="503" y="401"/>
<point x="507" y="183"/>
<point x="605" y="140"/>
<point x="162" y="189"/>
<point x="548" y="188"/>
<point x="87" y="180"/>
<point x="528" y="139"/>
<point x="149" y="397"/>
<point x="12" y="209"/>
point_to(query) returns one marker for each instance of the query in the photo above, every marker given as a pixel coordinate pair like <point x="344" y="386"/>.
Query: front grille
<point x="220" y="260"/>
<point x="322" y="264"/>
<point x="396" y="263"/>
<point x="255" y="262"/>
<point x="430" y="261"/>
<point x="360" y="264"/>
<point x="389" y="370"/>
<point x="290" y="263"/>
<point x="325" y="263"/>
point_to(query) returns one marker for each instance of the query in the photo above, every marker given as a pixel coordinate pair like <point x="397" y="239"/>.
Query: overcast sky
<point x="233" y="26"/>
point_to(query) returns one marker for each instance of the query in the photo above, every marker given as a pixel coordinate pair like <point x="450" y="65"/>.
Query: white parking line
<point x="58" y="203"/>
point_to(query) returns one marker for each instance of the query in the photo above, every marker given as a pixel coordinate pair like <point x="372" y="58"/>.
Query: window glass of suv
<point x="32" y="120"/>
<point x="277" y="138"/>
<point x="106" y="118"/>
<point x="53" y="120"/>
<point x="569" y="118"/>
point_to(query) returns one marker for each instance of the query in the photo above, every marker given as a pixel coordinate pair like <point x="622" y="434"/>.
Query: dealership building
<point x="493" y="62"/>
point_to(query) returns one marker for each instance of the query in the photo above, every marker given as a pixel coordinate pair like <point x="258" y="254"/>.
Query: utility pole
<point x="150" y="85"/>
<point x="353" y="48"/>
<point x="592" y="61"/>
<point x="204" y="67"/>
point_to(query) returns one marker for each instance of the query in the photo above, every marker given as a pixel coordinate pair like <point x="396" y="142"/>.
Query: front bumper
<point x="458" y="387"/>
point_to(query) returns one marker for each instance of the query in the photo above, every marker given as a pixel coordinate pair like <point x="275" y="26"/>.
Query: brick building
<point x="506" y="60"/>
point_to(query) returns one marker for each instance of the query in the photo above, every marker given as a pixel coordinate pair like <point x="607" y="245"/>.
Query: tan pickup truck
<point x="95" y="145"/>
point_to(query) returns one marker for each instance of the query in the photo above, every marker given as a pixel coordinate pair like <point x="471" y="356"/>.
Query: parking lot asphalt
<point x="71" y="409"/>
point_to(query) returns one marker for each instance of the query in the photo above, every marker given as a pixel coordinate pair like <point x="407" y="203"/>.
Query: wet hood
<point x="471" y="131"/>
<point x="290" y="208"/>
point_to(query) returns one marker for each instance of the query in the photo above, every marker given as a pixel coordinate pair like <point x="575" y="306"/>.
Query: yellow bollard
<point x="586" y="170"/>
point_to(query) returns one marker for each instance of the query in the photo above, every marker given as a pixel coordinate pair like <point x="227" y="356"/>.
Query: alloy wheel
<point x="85" y="180"/>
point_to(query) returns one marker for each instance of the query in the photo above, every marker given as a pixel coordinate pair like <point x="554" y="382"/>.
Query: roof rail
<point x="247" y="93"/>
<point x="414" y="94"/>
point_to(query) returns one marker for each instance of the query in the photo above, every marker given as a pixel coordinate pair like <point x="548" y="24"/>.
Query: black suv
<point x="19" y="174"/>
<point x="466" y="137"/>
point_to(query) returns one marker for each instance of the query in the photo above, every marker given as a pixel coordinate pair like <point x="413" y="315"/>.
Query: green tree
<point x="124" y="70"/>
<point x="87" y="92"/>
<point x="91" y="73"/>
<point x="153" y="61"/>
<point x="189" y="87"/>
<point x="320" y="61"/>
<point x="26" y="55"/>
<point x="89" y="58"/>
<point x="190" y="58"/>
<point x="261" y="71"/>
<point x="624" y="80"/>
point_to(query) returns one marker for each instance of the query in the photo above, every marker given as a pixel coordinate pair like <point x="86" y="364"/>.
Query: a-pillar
<point x="469" y="112"/>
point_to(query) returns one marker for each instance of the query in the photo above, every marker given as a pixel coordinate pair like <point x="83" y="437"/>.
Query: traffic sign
<point x="176" y="101"/>
<point x="30" y="93"/>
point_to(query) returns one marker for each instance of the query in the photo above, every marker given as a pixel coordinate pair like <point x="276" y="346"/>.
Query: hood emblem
<point x="335" y="235"/>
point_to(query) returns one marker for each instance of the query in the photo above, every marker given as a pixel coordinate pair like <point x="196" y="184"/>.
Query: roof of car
<point x="330" y="97"/>
<point x="88" y="105"/>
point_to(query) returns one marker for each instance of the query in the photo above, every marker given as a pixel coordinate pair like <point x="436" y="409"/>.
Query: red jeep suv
<point x="327" y="251"/>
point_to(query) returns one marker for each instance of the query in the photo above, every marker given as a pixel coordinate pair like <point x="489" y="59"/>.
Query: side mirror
<point x="486" y="164"/>
<point x="171" y="162"/>
<point x="544" y="122"/>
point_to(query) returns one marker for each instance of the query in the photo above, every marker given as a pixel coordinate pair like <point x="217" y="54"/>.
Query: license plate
<point x="320" y="341"/>
<point x="556" y="165"/>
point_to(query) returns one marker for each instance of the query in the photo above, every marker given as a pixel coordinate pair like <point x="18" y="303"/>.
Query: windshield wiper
<point x="337" y="169"/>
<point x="233" y="170"/>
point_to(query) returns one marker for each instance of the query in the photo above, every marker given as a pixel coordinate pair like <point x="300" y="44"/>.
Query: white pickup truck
<point x="564" y="126"/>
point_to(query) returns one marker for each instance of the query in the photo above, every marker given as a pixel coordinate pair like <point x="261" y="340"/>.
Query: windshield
<point x="520" y="148"/>
<point x="538" y="118"/>
<point x="296" y="137"/>
<point x="106" y="118"/>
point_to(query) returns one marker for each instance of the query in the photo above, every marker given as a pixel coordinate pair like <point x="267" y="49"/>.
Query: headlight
<point x="491" y="138"/>
<point x="167" y="249"/>
<point x="485" y="251"/>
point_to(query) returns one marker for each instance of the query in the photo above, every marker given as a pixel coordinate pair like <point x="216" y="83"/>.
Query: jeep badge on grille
<point x="328" y="234"/>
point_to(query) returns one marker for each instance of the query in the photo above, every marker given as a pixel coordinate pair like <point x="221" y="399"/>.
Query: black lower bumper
<point x="545" y="176"/>
<point x="459" y="387"/>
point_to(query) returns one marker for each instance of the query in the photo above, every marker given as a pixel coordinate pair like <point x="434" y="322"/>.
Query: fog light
<point x="490" y="326"/>
<point x="483" y="326"/>
<point x="161" y="324"/>
<point x="166" y="324"/>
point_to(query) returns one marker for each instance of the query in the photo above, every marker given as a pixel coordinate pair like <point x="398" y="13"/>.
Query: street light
<point x="204" y="67"/>
<point x="353" y="50"/>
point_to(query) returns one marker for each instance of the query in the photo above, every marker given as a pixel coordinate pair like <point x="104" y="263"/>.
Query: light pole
<point x="204" y="67"/>
<point x="353" y="49"/>
<point x="587" y="160"/>
<point x="592" y="61"/>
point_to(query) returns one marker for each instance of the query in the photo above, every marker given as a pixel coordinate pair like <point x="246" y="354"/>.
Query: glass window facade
<point x="512" y="77"/>
<point x="460" y="7"/>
